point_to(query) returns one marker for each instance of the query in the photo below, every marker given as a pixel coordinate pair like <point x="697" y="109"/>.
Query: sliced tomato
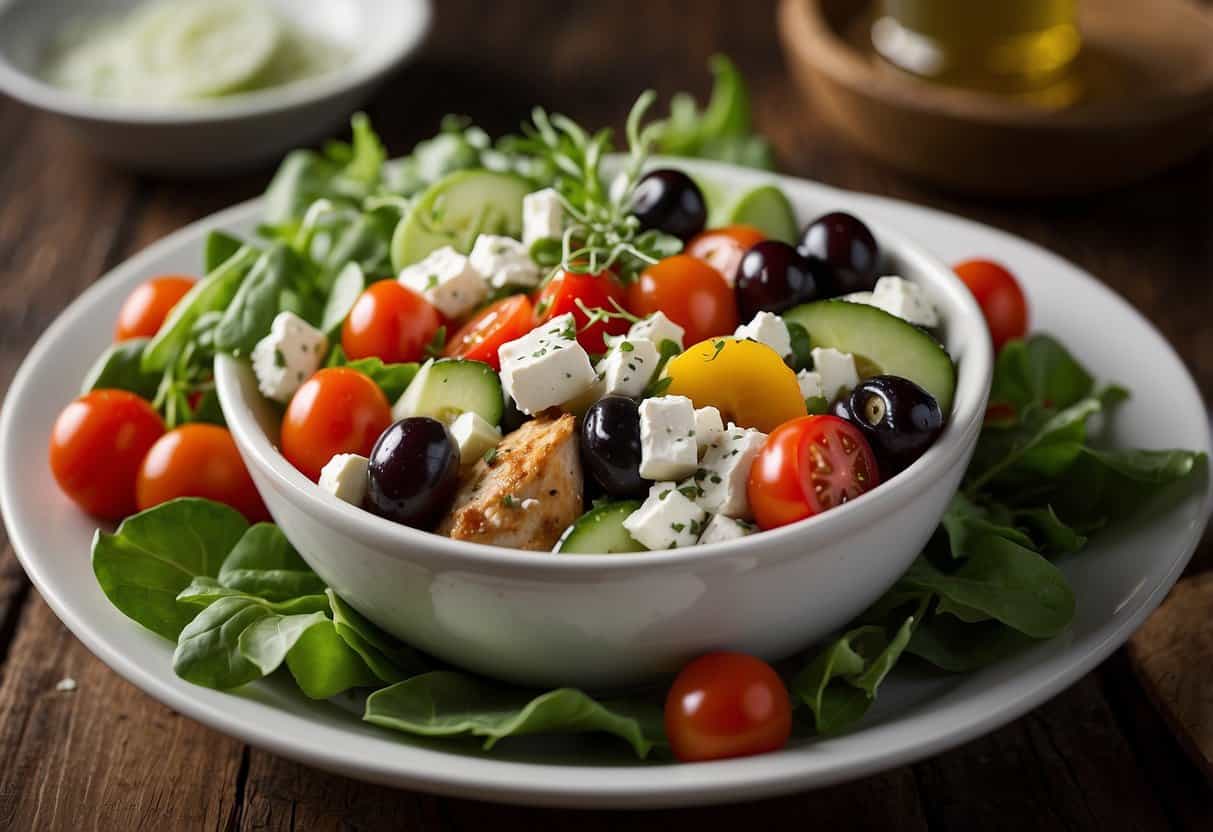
<point x="807" y="466"/>
<point x="722" y="248"/>
<point x="499" y="323"/>
<point x="575" y="293"/>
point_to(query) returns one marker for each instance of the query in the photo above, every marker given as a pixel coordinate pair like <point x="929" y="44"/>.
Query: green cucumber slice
<point x="887" y="343"/>
<point x="457" y="208"/>
<point x="600" y="531"/>
<point x="767" y="209"/>
<point x="447" y="387"/>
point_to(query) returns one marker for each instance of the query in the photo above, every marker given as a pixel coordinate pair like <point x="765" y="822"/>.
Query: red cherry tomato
<point x="198" y="460"/>
<point x="722" y="248"/>
<point x="336" y="411"/>
<point x="807" y="466"/>
<point x="97" y="445"/>
<point x="389" y="322"/>
<point x="1000" y="297"/>
<point x="691" y="293"/>
<point x="506" y="320"/>
<point x="145" y="309"/>
<point x="727" y="705"/>
<point x="594" y="291"/>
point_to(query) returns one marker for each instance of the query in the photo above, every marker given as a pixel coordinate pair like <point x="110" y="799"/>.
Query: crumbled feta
<point x="721" y="528"/>
<point x="546" y="367"/>
<point x="858" y="297"/>
<point x="66" y="685"/>
<point x="906" y="300"/>
<point x="837" y="370"/>
<point x="767" y="329"/>
<point x="448" y="280"/>
<point x="528" y="504"/>
<point x="721" y="480"/>
<point x="708" y="426"/>
<point x="473" y="436"/>
<point x="667" y="519"/>
<point x="628" y="366"/>
<point x="288" y="356"/>
<point x="810" y="384"/>
<point x="667" y="438"/>
<point x="542" y="216"/>
<point x="345" y="477"/>
<point x="657" y="328"/>
<point x="504" y="262"/>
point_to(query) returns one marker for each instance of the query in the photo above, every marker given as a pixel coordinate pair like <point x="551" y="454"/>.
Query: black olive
<point x="668" y="200"/>
<point x="899" y="419"/>
<point x="773" y="277"/>
<point x="512" y="418"/>
<point x="846" y="246"/>
<point x="414" y="471"/>
<point x="610" y="446"/>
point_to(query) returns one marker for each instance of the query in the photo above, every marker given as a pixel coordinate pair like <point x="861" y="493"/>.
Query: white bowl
<point x="603" y="621"/>
<point x="227" y="132"/>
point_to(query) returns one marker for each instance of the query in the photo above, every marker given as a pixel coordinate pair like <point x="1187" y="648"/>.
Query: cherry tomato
<point x="336" y="411"/>
<point x="389" y="322"/>
<point x="727" y="705"/>
<point x="691" y="293"/>
<point x="1000" y="297"/>
<point x="506" y="320"/>
<point x="97" y="445"/>
<point x="807" y="466"/>
<point x="198" y="460"/>
<point x="594" y="291"/>
<point x="722" y="248"/>
<point x="145" y="309"/>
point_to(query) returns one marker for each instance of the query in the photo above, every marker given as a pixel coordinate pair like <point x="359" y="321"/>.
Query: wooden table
<point x="107" y="757"/>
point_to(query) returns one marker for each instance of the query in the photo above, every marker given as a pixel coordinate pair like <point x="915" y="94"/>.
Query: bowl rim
<point x="960" y="434"/>
<point x="32" y="90"/>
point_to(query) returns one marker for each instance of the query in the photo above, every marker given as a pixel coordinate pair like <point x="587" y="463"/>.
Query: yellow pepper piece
<point x="746" y="381"/>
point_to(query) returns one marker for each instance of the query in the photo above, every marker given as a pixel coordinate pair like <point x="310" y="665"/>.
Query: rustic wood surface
<point x="1098" y="757"/>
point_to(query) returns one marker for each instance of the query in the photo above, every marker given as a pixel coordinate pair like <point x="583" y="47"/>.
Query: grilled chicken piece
<point x="526" y="494"/>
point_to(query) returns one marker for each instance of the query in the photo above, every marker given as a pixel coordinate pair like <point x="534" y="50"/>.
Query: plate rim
<point x="596" y="786"/>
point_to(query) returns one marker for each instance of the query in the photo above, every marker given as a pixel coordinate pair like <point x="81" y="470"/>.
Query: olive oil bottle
<point x="996" y="45"/>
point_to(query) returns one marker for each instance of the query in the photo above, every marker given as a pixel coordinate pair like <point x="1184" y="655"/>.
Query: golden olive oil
<point x="1000" y="45"/>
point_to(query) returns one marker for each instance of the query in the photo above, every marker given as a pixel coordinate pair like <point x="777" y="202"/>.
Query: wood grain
<point x="108" y="757"/>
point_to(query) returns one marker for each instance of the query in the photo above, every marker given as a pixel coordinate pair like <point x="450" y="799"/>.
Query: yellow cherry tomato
<point x="746" y="381"/>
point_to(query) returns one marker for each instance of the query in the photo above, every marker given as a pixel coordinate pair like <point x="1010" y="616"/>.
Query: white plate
<point x="1118" y="581"/>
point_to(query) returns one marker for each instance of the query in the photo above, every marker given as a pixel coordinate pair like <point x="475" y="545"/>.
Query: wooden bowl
<point x="1144" y="83"/>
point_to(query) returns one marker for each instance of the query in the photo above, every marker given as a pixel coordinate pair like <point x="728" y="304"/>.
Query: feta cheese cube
<point x="767" y="329"/>
<point x="628" y="367"/>
<point x="810" y="384"/>
<point x="667" y="438"/>
<point x="448" y="280"/>
<point x="542" y="216"/>
<point x="720" y="529"/>
<point x="667" y="519"/>
<point x="345" y="477"/>
<point x="708" y="426"/>
<point x="504" y="262"/>
<point x="858" y="297"/>
<point x="837" y="370"/>
<point x="288" y="356"/>
<point x="722" y="478"/>
<point x="906" y="300"/>
<point x="546" y="367"/>
<point x="473" y="436"/>
<point x="657" y="328"/>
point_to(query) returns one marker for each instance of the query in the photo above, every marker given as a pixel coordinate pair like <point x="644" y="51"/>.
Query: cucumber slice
<point x="455" y="209"/>
<point x="346" y="288"/>
<point x="887" y="343"/>
<point x="600" y="531"/>
<point x="445" y="388"/>
<point x="767" y="209"/>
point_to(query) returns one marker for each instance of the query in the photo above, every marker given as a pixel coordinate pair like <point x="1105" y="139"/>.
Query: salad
<point x="494" y="342"/>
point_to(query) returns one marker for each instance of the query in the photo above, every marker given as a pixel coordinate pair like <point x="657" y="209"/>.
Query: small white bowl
<point x="226" y="132"/>
<point x="603" y="621"/>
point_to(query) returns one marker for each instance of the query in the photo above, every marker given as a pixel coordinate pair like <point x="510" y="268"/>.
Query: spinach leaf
<point x="802" y="346"/>
<point x="387" y="658"/>
<point x="278" y="282"/>
<point x="1039" y="371"/>
<point x="1042" y="445"/>
<point x="1050" y="535"/>
<point x="348" y="285"/>
<point x="324" y="665"/>
<point x="959" y="647"/>
<point x="156" y="554"/>
<point x="220" y="246"/>
<point x="213" y="293"/>
<point x="208" y="651"/>
<point x="445" y="703"/>
<point x="120" y="367"/>
<point x="391" y="378"/>
<point x="263" y="563"/>
<point x="965" y="521"/>
<point x="204" y="591"/>
<point x="723" y="130"/>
